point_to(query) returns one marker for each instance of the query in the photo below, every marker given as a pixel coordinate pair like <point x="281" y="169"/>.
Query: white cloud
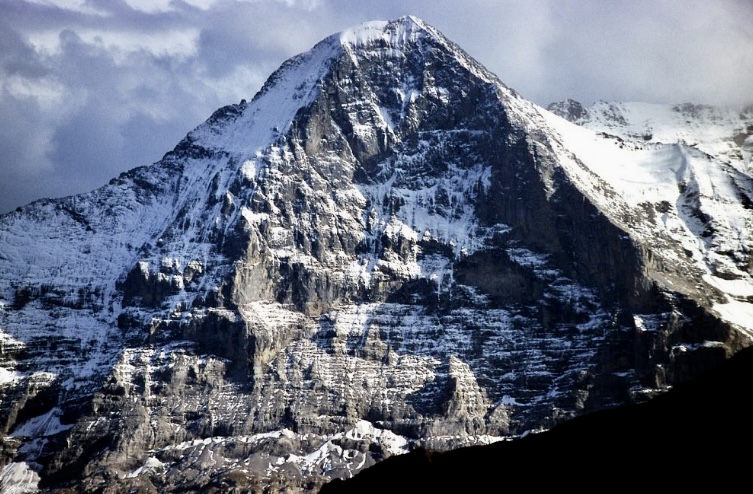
<point x="152" y="6"/>
<point x="172" y="43"/>
<point x="82" y="6"/>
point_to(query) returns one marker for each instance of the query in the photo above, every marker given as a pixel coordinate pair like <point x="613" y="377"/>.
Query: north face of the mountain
<point x="386" y="247"/>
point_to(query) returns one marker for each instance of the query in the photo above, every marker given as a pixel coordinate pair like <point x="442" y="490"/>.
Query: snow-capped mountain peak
<point x="386" y="246"/>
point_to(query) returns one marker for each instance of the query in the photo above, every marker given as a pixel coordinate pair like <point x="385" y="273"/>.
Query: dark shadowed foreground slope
<point x="698" y="435"/>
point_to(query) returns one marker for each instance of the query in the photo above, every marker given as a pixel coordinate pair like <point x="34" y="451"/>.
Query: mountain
<point x="692" y="430"/>
<point x="386" y="248"/>
<point x="692" y="163"/>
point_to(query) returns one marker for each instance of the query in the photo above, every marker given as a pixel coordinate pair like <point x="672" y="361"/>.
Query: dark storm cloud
<point x="91" y="88"/>
<point x="76" y="114"/>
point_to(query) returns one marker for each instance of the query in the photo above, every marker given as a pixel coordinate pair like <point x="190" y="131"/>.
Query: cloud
<point x="667" y="51"/>
<point x="82" y="99"/>
<point x="91" y="88"/>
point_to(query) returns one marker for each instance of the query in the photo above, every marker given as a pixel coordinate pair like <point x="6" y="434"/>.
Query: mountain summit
<point x="385" y="248"/>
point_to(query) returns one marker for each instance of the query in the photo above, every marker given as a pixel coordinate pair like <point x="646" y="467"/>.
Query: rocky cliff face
<point x="712" y="406"/>
<point x="386" y="247"/>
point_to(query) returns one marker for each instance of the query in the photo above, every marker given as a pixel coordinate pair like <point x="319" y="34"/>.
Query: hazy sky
<point x="91" y="88"/>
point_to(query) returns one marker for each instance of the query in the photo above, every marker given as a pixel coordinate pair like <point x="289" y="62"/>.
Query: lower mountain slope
<point x="693" y="428"/>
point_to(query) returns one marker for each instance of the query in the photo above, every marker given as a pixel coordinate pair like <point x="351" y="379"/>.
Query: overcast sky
<point x="91" y="88"/>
